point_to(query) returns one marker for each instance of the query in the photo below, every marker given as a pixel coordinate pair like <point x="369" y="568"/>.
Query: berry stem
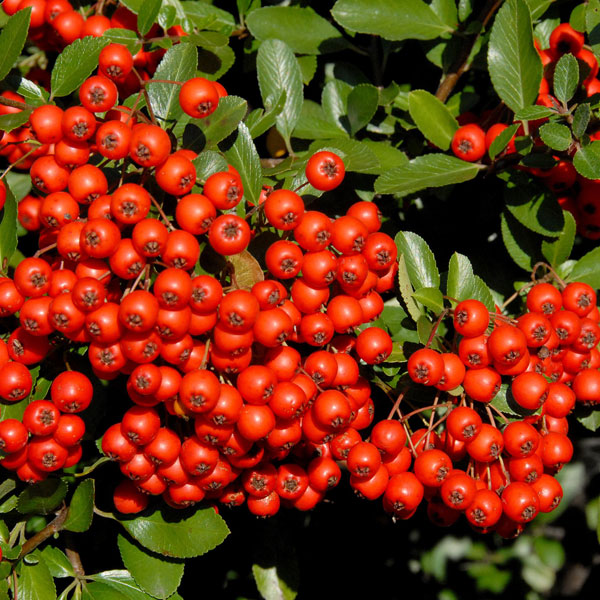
<point x="91" y="468"/>
<point x="15" y="103"/>
<point x="554" y="274"/>
<point x="53" y="527"/>
<point x="435" y="326"/>
<point x="44" y="250"/>
<point x="162" y="214"/>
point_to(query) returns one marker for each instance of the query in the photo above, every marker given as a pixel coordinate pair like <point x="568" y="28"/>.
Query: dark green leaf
<point x="207" y="39"/>
<point x="559" y="249"/>
<point x="12" y="39"/>
<point x="432" y="170"/>
<point x="592" y="24"/>
<point x="313" y="123"/>
<point x="501" y="402"/>
<point x="42" y="497"/>
<point x="41" y="388"/>
<point x="244" y="157"/>
<point x="8" y="229"/>
<point x="13" y="120"/>
<point x="81" y="509"/>
<point x="178" y="534"/>
<point x="57" y="562"/>
<point x="406" y="289"/>
<point x="566" y="77"/>
<point x="532" y="113"/>
<point x="424" y="327"/>
<point x="420" y="261"/>
<point x="431" y="298"/>
<point x="361" y="106"/>
<point x="133" y="5"/>
<point x="6" y="487"/>
<point x="501" y="141"/>
<point x="260" y="120"/>
<point x="388" y="156"/>
<point x="207" y="163"/>
<point x="36" y="583"/>
<point x="581" y="119"/>
<point x="303" y="30"/>
<point x="356" y="155"/>
<point x="156" y="575"/>
<point x="432" y="117"/>
<point x="587" y="269"/>
<point x="391" y="19"/>
<point x="587" y="161"/>
<point x="481" y="292"/>
<point x="538" y="211"/>
<point x="126" y="37"/>
<point x="518" y="241"/>
<point x="335" y="103"/>
<point x="461" y="281"/>
<point x="514" y="64"/>
<point x="75" y="64"/>
<point x="207" y="16"/>
<point x="308" y="66"/>
<point x="215" y="61"/>
<point x="538" y="7"/>
<point x="270" y="585"/>
<point x="556" y="136"/>
<point x="147" y="17"/>
<point x="114" y="585"/>
<point x="178" y="64"/>
<point x="224" y="121"/>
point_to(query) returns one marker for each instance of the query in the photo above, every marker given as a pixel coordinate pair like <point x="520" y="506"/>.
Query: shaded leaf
<point x="518" y="241"/>
<point x="482" y="292"/>
<point x="431" y="298"/>
<point x="36" y="583"/>
<point x="461" y="281"/>
<point x="270" y="585"/>
<point x="420" y="261"/>
<point x="587" y="161"/>
<point x="260" y="120"/>
<point x="114" y="585"/>
<point x="42" y="497"/>
<point x="12" y="39"/>
<point x="13" y="120"/>
<point x="81" y="509"/>
<point x="224" y="121"/>
<point x="8" y="229"/>
<point x="538" y="211"/>
<point x="247" y="270"/>
<point x="566" y="77"/>
<point x="581" y="119"/>
<point x="147" y="17"/>
<point x="587" y="269"/>
<point x="334" y="100"/>
<point x="244" y="157"/>
<point x="207" y="163"/>
<point x="559" y="249"/>
<point x="126" y="37"/>
<point x="57" y="562"/>
<point x="532" y="113"/>
<point x="501" y="141"/>
<point x="432" y="117"/>
<point x="361" y="106"/>
<point x="406" y="289"/>
<point x="313" y="123"/>
<point x="308" y="66"/>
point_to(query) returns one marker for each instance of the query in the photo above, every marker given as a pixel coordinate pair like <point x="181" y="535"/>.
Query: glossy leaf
<point x="501" y="141"/>
<point x="244" y="157"/>
<point x="357" y="156"/>
<point x="270" y="585"/>
<point x="334" y="100"/>
<point x="556" y="136"/>
<point x="207" y="163"/>
<point x="179" y="534"/>
<point x="13" y="120"/>
<point x="113" y="585"/>
<point x="432" y="170"/>
<point x="155" y="574"/>
<point x="539" y="212"/>
<point x="278" y="70"/>
<point x="302" y="29"/>
<point x="75" y="64"/>
<point x="361" y="106"/>
<point x="518" y="241"/>
<point x="532" y="113"/>
<point x="559" y="249"/>
<point x="8" y="229"/>
<point x="42" y="497"/>
<point x="587" y="161"/>
<point x="81" y="509"/>
<point x="32" y="93"/>
<point x="36" y="583"/>
<point x="147" y="17"/>
<point x="12" y="39"/>
<point x="314" y="123"/>
<point x="406" y="289"/>
<point x="566" y="77"/>
<point x="482" y="292"/>
<point x="587" y="269"/>
<point x="461" y="281"/>
<point x="420" y="261"/>
<point x="57" y="562"/>
<point x="260" y="120"/>
<point x="514" y="65"/>
<point x="224" y="121"/>
<point x="391" y="19"/>
<point x="432" y="117"/>
<point x="431" y="298"/>
<point x="126" y="37"/>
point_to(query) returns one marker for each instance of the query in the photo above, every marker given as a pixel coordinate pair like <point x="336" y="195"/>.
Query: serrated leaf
<point x="224" y="121"/>
<point x="391" y="19"/>
<point x="461" y="281"/>
<point x="156" y="575"/>
<point x="207" y="16"/>
<point x="313" y="123"/>
<point x="278" y="70"/>
<point x="114" y="585"/>
<point x="406" y="290"/>
<point x="81" y="509"/>
<point x="125" y="37"/>
<point x="430" y="297"/>
<point x="75" y="64"/>
<point x="178" y="534"/>
<point x="581" y="119"/>
<point x="432" y="117"/>
<point x="247" y="270"/>
<point x="420" y="261"/>
<point x="538" y="211"/>
<point x="518" y="241"/>
<point x="244" y="157"/>
<point x="57" y="562"/>
<point x="178" y="64"/>
<point x="215" y="61"/>
<point x="207" y="163"/>
<point x="559" y="249"/>
<point x="533" y="113"/>
<point x="566" y="77"/>
<point x="587" y="161"/>
<point x="12" y="39"/>
<point x="501" y="141"/>
<point x="36" y="583"/>
<point x="432" y="170"/>
<point x="514" y="65"/>
<point x="587" y="269"/>
<point x="147" y="17"/>
<point x="482" y="292"/>
<point x="8" y="229"/>
<point x="260" y="120"/>
<point x="270" y="585"/>
<point x="556" y="136"/>
<point x="361" y="106"/>
<point x="42" y="497"/>
<point x="13" y="120"/>
<point x="334" y="100"/>
<point x="303" y="30"/>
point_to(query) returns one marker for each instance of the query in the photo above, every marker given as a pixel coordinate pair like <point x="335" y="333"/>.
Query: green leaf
<point x="147" y="17"/>
<point x="215" y="61"/>
<point x="538" y="7"/>
<point x="156" y="575"/>
<point x="501" y="141"/>
<point x="559" y="249"/>
<point x="308" y="66"/>
<point x="178" y="534"/>
<point x="591" y="421"/>
<point x="260" y="120"/>
<point x="207" y="163"/>
<point x="224" y="121"/>
<point x="36" y="583"/>
<point x="514" y="65"/>
<point x="335" y="103"/>
<point x="538" y="211"/>
<point x="391" y="19"/>
<point x="556" y="136"/>
<point x="501" y="401"/>
<point x="518" y="241"/>
<point x="206" y="16"/>
<point x="424" y="327"/>
<point x="592" y="24"/>
<point x="8" y="229"/>
<point x="244" y="157"/>
<point x="126" y="37"/>
<point x="406" y="289"/>
<point x="270" y="585"/>
<point x="587" y="269"/>
<point x="75" y="64"/>
<point x="302" y="29"/>
<point x="461" y="281"/>
<point x="207" y="39"/>
<point x="13" y="120"/>
<point x="57" y="562"/>
<point x="81" y="509"/>
<point x="587" y="161"/>
<point x="388" y="156"/>
<point x="550" y="552"/>
<point x="581" y="119"/>
<point x="431" y="298"/>
<point x="42" y="497"/>
<point x="420" y="261"/>
<point x="361" y="106"/>
<point x="357" y="156"/>
<point x="114" y="585"/>
<point x="178" y="64"/>
<point x="482" y="292"/>
<point x="432" y="117"/>
<point x="6" y="487"/>
<point x="532" y="113"/>
<point x="313" y="123"/>
<point x="431" y="170"/>
<point x="12" y="39"/>
<point x="32" y="93"/>
<point x="566" y="77"/>
<point x="278" y="70"/>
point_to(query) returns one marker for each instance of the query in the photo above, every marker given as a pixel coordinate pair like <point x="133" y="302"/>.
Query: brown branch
<point x="74" y="557"/>
<point x="15" y="103"/>
<point x="53" y="527"/>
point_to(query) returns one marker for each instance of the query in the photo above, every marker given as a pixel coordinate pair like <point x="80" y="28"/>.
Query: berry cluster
<point x="549" y="355"/>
